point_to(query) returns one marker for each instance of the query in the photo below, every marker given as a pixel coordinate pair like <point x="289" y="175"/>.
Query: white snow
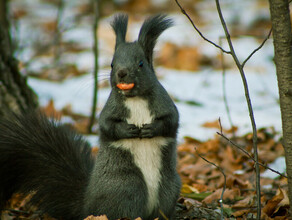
<point x="278" y="165"/>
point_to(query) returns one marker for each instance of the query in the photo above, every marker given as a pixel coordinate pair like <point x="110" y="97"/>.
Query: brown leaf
<point x="271" y="205"/>
<point x="210" y="146"/>
<point x="178" y="57"/>
<point x="232" y="181"/>
<point x="186" y="147"/>
<point x="231" y="130"/>
<point x="212" y="124"/>
<point x="139" y="6"/>
<point x="188" y="202"/>
<point x="240" y="212"/>
<point x="50" y="26"/>
<point x="185" y="160"/>
<point x="19" y="13"/>
<point x="188" y="189"/>
<point x="191" y="140"/>
<point x="51" y="111"/>
<point x="101" y="217"/>
<point x="283" y="204"/>
<point x="82" y="125"/>
<point x="193" y="170"/>
<point x="228" y="194"/>
<point x="94" y="151"/>
<point x="200" y="187"/>
<point x="247" y="202"/>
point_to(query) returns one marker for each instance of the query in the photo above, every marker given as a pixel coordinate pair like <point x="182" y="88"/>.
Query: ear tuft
<point x="150" y="31"/>
<point x="119" y="24"/>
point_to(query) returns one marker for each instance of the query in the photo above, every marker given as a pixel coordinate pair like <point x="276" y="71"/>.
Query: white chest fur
<point x="139" y="111"/>
<point x="146" y="151"/>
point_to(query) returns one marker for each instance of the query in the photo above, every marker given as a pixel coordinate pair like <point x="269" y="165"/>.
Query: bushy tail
<point x="41" y="156"/>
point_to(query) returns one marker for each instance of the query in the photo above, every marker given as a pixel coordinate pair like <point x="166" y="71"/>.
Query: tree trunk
<point x="282" y="35"/>
<point x="4" y="22"/>
<point x="15" y="94"/>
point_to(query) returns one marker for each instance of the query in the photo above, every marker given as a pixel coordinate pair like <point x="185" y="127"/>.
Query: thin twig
<point x="257" y="49"/>
<point x="95" y="52"/>
<point x="224" y="185"/>
<point x="224" y="90"/>
<point x="247" y="153"/>
<point x="199" y="32"/>
<point x="163" y="215"/>
<point x="250" y="109"/>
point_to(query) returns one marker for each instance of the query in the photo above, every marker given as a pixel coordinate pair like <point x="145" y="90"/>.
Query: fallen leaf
<point x="188" y="189"/>
<point x="101" y="217"/>
<point x="283" y="204"/>
<point x="94" y="151"/>
<point x="232" y="181"/>
<point x="18" y="14"/>
<point x="247" y="202"/>
<point x="271" y="205"/>
<point x="178" y="57"/>
<point x="212" y="124"/>
<point x="51" y="111"/>
<point x="188" y="202"/>
<point x="193" y="170"/>
<point x="209" y="147"/>
<point x="50" y="26"/>
<point x="200" y="187"/>
<point x="240" y="213"/>
<point x="228" y="194"/>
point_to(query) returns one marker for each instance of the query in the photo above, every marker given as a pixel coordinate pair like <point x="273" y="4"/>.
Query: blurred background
<point x="53" y="41"/>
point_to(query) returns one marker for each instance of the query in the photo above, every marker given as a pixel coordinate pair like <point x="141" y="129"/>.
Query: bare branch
<point x="250" y="109"/>
<point x="257" y="49"/>
<point x="224" y="90"/>
<point x="199" y="32"/>
<point x="95" y="4"/>
<point x="163" y="215"/>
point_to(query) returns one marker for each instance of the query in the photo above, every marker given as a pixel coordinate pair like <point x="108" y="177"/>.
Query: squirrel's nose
<point x="122" y="74"/>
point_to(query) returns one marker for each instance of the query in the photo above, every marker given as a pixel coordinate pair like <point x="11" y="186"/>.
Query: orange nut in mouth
<point x="125" y="86"/>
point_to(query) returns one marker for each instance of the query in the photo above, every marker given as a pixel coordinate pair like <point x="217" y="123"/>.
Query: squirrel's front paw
<point x="125" y="130"/>
<point x="132" y="130"/>
<point x="147" y="131"/>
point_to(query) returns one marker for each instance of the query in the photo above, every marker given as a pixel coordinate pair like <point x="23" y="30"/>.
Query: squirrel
<point x="134" y="173"/>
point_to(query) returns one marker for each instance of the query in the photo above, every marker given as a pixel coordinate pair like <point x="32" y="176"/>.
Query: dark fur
<point x="39" y="155"/>
<point x="113" y="125"/>
<point x="150" y="31"/>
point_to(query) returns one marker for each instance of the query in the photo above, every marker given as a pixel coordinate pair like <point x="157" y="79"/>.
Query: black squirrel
<point x="134" y="173"/>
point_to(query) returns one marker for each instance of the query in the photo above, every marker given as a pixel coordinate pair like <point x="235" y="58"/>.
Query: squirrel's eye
<point x="112" y="65"/>
<point x="141" y="63"/>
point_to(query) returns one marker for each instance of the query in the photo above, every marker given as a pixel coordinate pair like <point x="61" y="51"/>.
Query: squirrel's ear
<point x="150" y="31"/>
<point x="119" y="24"/>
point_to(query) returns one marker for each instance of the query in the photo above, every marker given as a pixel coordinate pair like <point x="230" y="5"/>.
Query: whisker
<point x="89" y="81"/>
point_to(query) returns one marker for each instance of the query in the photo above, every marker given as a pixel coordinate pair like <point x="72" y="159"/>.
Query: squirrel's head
<point x="132" y="65"/>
